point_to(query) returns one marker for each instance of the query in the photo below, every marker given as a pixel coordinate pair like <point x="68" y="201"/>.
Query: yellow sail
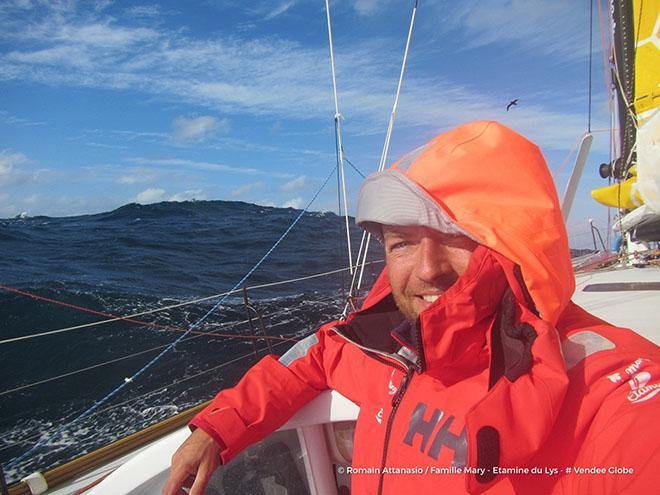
<point x="623" y="194"/>
<point x="647" y="57"/>
<point x="638" y="86"/>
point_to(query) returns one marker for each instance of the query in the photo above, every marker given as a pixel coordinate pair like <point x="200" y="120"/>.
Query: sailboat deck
<point x="627" y="297"/>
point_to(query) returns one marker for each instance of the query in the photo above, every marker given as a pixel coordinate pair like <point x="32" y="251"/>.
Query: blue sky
<point x="105" y="103"/>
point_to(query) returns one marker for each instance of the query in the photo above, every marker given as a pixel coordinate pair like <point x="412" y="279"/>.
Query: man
<point x="468" y="346"/>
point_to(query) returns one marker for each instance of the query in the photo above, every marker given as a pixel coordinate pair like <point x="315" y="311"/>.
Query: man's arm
<point x="263" y="400"/>
<point x="624" y="440"/>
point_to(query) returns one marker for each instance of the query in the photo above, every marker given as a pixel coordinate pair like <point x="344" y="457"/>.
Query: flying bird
<point x="511" y="103"/>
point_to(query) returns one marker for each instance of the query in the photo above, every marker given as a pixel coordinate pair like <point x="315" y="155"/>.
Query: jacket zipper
<point x="399" y="363"/>
<point x="396" y="400"/>
<point x="396" y="362"/>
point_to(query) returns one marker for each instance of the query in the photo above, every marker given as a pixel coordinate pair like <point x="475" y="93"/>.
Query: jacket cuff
<point x="225" y="426"/>
<point x="200" y="422"/>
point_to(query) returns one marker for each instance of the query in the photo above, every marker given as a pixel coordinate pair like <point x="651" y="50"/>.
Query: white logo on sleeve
<point x="615" y="377"/>
<point x="640" y="388"/>
<point x="379" y="416"/>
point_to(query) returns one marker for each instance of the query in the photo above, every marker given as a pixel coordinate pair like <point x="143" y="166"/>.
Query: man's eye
<point x="398" y="245"/>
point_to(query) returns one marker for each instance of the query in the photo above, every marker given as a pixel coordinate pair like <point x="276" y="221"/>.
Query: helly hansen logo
<point x="434" y="441"/>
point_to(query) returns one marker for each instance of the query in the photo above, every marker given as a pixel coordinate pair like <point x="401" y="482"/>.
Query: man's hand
<point x="193" y="464"/>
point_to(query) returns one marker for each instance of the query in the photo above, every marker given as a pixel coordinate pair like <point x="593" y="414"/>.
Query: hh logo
<point x="431" y="443"/>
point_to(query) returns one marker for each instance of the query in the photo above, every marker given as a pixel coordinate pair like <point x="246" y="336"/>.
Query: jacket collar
<point x="454" y="329"/>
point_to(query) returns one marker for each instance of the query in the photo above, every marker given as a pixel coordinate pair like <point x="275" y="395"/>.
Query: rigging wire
<point x="366" y="238"/>
<point x="130" y="318"/>
<point x="339" y="226"/>
<point x="142" y="396"/>
<point x="338" y="136"/>
<point x="113" y="318"/>
<point x="194" y="326"/>
<point x="355" y="168"/>
<point x="604" y="50"/>
<point x="608" y="88"/>
<point x="139" y="353"/>
<point x="591" y="51"/>
<point x="197" y="335"/>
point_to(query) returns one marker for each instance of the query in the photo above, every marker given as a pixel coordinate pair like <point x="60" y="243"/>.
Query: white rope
<point x="203" y="334"/>
<point x="129" y="356"/>
<point x="98" y="365"/>
<point x="366" y="237"/>
<point x="339" y="143"/>
<point x="172" y="306"/>
<point x="143" y="396"/>
<point x="390" y="127"/>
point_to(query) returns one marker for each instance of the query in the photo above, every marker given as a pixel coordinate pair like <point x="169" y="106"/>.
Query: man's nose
<point x="432" y="263"/>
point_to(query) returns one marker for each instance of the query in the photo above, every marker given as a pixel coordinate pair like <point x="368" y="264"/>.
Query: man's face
<point x="422" y="264"/>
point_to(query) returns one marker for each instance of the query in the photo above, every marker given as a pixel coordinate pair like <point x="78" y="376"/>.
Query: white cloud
<point x="59" y="205"/>
<point x="177" y="162"/>
<point x="292" y="185"/>
<point x="9" y="210"/>
<point x="246" y="76"/>
<point x="32" y="199"/>
<point x="151" y="195"/>
<point x="366" y="7"/>
<point x="244" y="189"/>
<point x="103" y="35"/>
<point x="297" y="203"/>
<point x="10" y="173"/>
<point x="133" y="135"/>
<point x="197" y="128"/>
<point x="280" y="9"/>
<point x="196" y="194"/>
<point x="59" y="56"/>
<point x="137" y="175"/>
<point x="10" y="119"/>
<point x="218" y="167"/>
<point x="545" y="26"/>
<point x="145" y="11"/>
<point x="128" y="179"/>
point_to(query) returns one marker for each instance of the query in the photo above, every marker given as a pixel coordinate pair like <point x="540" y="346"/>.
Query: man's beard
<point x="405" y="307"/>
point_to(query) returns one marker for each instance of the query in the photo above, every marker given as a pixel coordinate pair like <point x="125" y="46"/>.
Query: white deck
<point x="638" y="310"/>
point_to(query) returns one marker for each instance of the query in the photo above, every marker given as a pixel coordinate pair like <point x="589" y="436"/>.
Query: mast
<point x="623" y="39"/>
<point x="636" y="168"/>
<point x="339" y="143"/>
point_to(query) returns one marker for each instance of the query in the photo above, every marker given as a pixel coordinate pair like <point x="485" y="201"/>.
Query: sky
<point x="105" y="103"/>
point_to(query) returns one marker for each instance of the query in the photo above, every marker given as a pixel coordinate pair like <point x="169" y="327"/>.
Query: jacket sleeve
<point x="267" y="395"/>
<point x="624" y="442"/>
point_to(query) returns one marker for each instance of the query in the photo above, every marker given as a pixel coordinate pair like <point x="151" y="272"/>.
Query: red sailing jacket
<point x="503" y="385"/>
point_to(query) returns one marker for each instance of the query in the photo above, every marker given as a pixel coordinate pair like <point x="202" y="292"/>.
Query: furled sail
<point x="636" y="74"/>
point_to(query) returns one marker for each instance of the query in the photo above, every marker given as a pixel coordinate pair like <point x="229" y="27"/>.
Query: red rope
<point x="132" y="320"/>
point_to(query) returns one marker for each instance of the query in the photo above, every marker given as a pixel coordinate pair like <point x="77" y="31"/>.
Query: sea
<point x="146" y="267"/>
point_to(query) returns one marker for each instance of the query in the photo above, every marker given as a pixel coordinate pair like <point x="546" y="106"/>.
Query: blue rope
<point x="192" y="327"/>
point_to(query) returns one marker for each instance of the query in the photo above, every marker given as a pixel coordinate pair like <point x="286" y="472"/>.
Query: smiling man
<point x="467" y="357"/>
<point x="422" y="264"/>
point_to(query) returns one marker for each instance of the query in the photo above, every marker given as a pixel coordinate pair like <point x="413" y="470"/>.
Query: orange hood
<point x="495" y="185"/>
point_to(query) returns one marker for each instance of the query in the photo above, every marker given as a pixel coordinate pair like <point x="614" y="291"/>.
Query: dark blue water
<point x="135" y="259"/>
